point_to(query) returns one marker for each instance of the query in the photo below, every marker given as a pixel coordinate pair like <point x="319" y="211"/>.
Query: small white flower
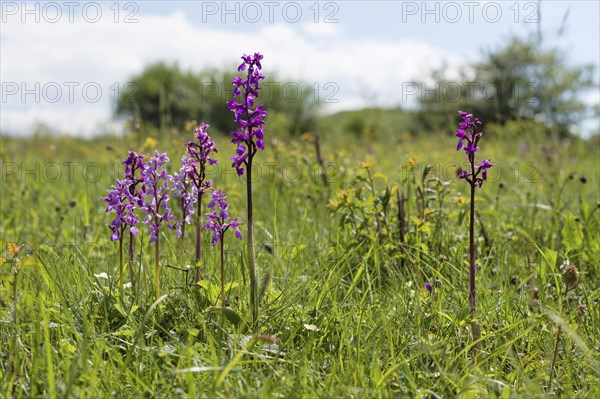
<point x="101" y="275"/>
<point x="409" y="284"/>
<point x="188" y="267"/>
<point x="311" y="327"/>
<point x="127" y="285"/>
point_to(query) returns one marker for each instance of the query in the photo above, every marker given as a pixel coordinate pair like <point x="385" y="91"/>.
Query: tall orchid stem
<point x="198" y="239"/>
<point x="121" y="282"/>
<point x="472" y="267"/>
<point x="156" y="268"/>
<point x="132" y="258"/>
<point x="222" y="274"/>
<point x="251" y="257"/>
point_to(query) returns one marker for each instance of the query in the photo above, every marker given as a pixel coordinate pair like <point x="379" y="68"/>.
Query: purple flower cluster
<point x="250" y="134"/>
<point x="468" y="138"/>
<point x="190" y="183"/>
<point x="202" y="150"/>
<point x="119" y="200"/>
<point x="124" y="197"/>
<point x="156" y="186"/>
<point x="133" y="163"/>
<point x="218" y="219"/>
<point x="185" y="191"/>
<point x="199" y="155"/>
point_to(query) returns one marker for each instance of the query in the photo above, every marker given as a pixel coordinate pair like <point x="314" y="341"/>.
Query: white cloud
<point x="43" y="56"/>
<point x="323" y="30"/>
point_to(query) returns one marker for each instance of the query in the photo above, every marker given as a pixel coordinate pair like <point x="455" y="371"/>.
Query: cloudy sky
<point x="61" y="63"/>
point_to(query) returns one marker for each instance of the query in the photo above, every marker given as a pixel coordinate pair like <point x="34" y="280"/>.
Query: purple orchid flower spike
<point x="250" y="134"/>
<point x="119" y="200"/>
<point x="156" y="190"/>
<point x="468" y="139"/>
<point x="123" y="198"/>
<point x="156" y="205"/>
<point x="218" y="219"/>
<point x="219" y="222"/>
<point x="190" y="184"/>
<point x="249" y="138"/>
<point x="186" y="192"/>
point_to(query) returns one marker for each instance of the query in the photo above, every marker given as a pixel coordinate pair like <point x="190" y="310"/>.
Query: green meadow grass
<point x="344" y="313"/>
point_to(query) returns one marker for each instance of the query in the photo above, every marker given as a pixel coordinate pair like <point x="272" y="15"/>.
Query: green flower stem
<point x="121" y="265"/>
<point x="156" y="267"/>
<point x="198" y="239"/>
<point x="472" y="267"/>
<point x="251" y="256"/>
<point x="222" y="274"/>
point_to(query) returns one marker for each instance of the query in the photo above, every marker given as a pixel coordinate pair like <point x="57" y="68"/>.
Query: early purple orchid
<point x="123" y="198"/>
<point x="250" y="133"/>
<point x="187" y="194"/>
<point x="156" y="204"/>
<point x="190" y="184"/>
<point x="219" y="222"/>
<point x="468" y="139"/>
<point x="218" y="219"/>
<point x="249" y="138"/>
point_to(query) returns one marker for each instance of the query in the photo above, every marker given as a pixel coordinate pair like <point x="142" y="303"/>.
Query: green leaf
<point x="229" y="286"/>
<point x="572" y="236"/>
<point x="231" y="315"/>
<point x="212" y="291"/>
<point x="551" y="258"/>
<point x="120" y="309"/>
<point x="379" y="175"/>
<point x="123" y="312"/>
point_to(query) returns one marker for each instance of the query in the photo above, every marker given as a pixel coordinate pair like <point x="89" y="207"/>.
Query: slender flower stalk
<point x="122" y="200"/>
<point x="156" y="205"/>
<point x="183" y="190"/>
<point x="249" y="138"/>
<point x="134" y="165"/>
<point x="219" y="222"/>
<point x="199" y="155"/>
<point x="468" y="138"/>
<point x="570" y="276"/>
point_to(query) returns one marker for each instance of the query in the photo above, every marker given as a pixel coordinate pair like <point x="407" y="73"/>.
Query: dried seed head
<point x="13" y="248"/>
<point x="570" y="275"/>
<point x="72" y="203"/>
<point x="581" y="310"/>
<point x="582" y="179"/>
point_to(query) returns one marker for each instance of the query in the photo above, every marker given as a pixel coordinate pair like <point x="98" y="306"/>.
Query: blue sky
<point x="61" y="65"/>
